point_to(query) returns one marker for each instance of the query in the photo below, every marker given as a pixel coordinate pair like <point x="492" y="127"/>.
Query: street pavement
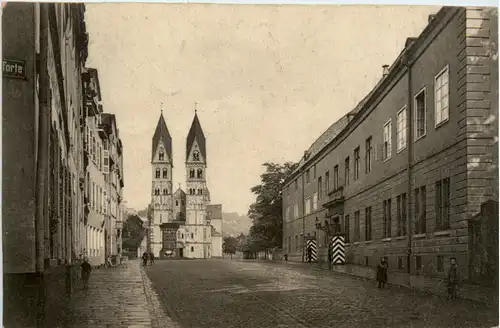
<point x="117" y="297"/>
<point x="229" y="293"/>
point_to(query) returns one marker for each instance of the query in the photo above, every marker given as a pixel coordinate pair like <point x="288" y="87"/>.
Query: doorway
<point x="181" y="252"/>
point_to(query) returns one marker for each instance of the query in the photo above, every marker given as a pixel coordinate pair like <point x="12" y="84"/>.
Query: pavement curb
<point x="159" y="319"/>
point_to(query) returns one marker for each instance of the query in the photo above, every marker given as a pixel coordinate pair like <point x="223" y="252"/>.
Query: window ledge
<point x="386" y="239"/>
<point x="387" y="159"/>
<point x="442" y="233"/>
<point x="419" y="236"/>
<point x="400" y="150"/>
<point x="438" y="125"/>
<point x="400" y="237"/>
<point x="420" y="137"/>
<point x="348" y="244"/>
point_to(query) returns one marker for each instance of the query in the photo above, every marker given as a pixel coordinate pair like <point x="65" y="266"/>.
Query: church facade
<point x="179" y="223"/>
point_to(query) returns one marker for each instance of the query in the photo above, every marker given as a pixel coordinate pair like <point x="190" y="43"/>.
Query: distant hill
<point x="233" y="224"/>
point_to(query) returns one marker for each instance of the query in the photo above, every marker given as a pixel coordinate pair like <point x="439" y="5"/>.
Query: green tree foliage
<point x="229" y="245"/>
<point x="267" y="211"/>
<point x="133" y="232"/>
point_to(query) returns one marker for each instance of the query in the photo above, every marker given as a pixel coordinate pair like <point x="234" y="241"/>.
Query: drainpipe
<point x="409" y="123"/>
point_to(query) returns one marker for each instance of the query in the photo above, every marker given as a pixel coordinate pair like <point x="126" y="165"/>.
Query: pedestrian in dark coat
<point x="453" y="279"/>
<point x="86" y="270"/>
<point x="145" y="258"/>
<point x="382" y="272"/>
<point x="151" y="258"/>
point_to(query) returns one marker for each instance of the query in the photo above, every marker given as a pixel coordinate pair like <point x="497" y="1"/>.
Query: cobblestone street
<point x="225" y="293"/>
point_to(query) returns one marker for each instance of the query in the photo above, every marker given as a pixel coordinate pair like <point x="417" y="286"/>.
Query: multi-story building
<point x="214" y="214"/>
<point x="179" y="225"/>
<point x="104" y="176"/>
<point x="44" y="52"/>
<point x="404" y="173"/>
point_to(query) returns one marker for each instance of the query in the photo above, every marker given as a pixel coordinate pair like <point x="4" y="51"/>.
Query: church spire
<point x="196" y="135"/>
<point x="162" y="133"/>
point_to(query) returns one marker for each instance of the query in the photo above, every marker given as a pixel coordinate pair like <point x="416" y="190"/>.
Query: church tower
<point x="161" y="191"/>
<point x="198" y="232"/>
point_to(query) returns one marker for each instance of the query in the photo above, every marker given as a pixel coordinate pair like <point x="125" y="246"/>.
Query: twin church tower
<point x="181" y="225"/>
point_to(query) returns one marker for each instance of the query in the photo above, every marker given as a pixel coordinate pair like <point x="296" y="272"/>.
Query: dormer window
<point x="161" y="156"/>
<point x="196" y="156"/>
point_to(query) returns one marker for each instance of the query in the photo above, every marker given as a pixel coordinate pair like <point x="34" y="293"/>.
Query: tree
<point x="229" y="246"/>
<point x="133" y="232"/>
<point x="266" y="213"/>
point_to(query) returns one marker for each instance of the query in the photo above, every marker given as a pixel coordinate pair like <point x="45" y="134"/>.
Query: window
<point x="418" y="262"/>
<point x="165" y="191"/>
<point x="401" y="214"/>
<point x="176" y="203"/>
<point x="401" y="129"/>
<point x="308" y="206"/>
<point x="182" y="202"/>
<point x="368" y="223"/>
<point x="420" y="210"/>
<point x="346" y="228"/>
<point x="443" y="204"/>
<point x="400" y="263"/>
<point x="161" y="156"/>
<point x="296" y="245"/>
<point x="157" y="173"/>
<point x="347" y="171"/>
<point x="191" y="173"/>
<point x="192" y="249"/>
<point x="165" y="173"/>
<point x="368" y="155"/>
<point x="336" y="177"/>
<point x="307" y="176"/>
<point x="440" y="263"/>
<point x="196" y="156"/>
<point x="296" y="184"/>
<point x="296" y="211"/>
<point x="287" y="214"/>
<point x="315" y="201"/>
<point x="420" y="115"/>
<point x="314" y="171"/>
<point x="192" y="236"/>
<point x="387" y="218"/>
<point x="356" y="163"/>
<point x="327" y="182"/>
<point x="387" y="146"/>
<point x="199" y="174"/>
<point x="320" y="188"/>
<point x="441" y="96"/>
<point x="357" y="230"/>
<point x="157" y="191"/>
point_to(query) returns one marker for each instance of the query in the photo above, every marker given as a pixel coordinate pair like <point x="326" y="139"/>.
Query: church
<point x="181" y="223"/>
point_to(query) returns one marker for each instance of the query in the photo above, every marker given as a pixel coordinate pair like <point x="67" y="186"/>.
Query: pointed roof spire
<point x="162" y="133"/>
<point x="196" y="134"/>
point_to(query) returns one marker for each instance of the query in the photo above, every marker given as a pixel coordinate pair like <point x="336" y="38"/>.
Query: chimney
<point x="431" y="17"/>
<point x="385" y="70"/>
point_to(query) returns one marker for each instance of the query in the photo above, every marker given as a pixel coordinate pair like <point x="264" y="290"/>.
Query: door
<point x="181" y="252"/>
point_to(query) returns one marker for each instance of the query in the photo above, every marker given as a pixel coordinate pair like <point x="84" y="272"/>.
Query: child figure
<point x="382" y="273"/>
<point x="86" y="270"/>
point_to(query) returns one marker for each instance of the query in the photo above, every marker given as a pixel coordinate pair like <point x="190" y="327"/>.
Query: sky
<point x="268" y="80"/>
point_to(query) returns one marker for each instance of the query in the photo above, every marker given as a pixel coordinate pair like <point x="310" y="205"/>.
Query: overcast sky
<point x="268" y="80"/>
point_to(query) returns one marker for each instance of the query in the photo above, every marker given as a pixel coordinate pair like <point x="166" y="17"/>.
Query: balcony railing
<point x="334" y="197"/>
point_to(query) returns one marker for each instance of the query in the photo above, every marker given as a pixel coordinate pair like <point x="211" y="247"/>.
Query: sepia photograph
<point x="249" y="165"/>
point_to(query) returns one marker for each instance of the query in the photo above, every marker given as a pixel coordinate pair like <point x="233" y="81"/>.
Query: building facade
<point x="179" y="226"/>
<point x="404" y="173"/>
<point x="214" y="214"/>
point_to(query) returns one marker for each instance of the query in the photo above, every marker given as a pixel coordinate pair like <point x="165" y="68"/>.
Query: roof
<point x="196" y="133"/>
<point x="162" y="133"/>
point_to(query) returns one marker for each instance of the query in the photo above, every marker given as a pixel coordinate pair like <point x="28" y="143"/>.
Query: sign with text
<point x="14" y="69"/>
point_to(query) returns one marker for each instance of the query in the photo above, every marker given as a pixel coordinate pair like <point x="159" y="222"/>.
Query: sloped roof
<point x="196" y="133"/>
<point x="162" y="133"/>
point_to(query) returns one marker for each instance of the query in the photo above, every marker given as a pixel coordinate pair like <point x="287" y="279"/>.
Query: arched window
<point x="199" y="174"/>
<point x="157" y="173"/>
<point x="157" y="191"/>
<point x="191" y="173"/>
<point x="162" y="156"/>
<point x="200" y="191"/>
<point x="165" y="191"/>
<point x="176" y="203"/>
<point x="196" y="156"/>
<point x="165" y="173"/>
<point x="192" y="249"/>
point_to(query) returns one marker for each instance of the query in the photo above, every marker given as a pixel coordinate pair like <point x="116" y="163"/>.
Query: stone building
<point x="214" y="214"/>
<point x="44" y="52"/>
<point x="404" y="173"/>
<point x="179" y="226"/>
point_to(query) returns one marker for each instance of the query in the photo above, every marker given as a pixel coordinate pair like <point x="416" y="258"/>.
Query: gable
<point x="195" y="154"/>
<point x="161" y="149"/>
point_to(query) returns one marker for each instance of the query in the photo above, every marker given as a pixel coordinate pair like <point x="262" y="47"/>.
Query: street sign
<point x="14" y="69"/>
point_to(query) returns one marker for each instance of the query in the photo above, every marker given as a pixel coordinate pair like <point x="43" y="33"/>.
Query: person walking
<point x="145" y="258"/>
<point x="151" y="258"/>
<point x="86" y="270"/>
<point x="382" y="272"/>
<point x="453" y="279"/>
